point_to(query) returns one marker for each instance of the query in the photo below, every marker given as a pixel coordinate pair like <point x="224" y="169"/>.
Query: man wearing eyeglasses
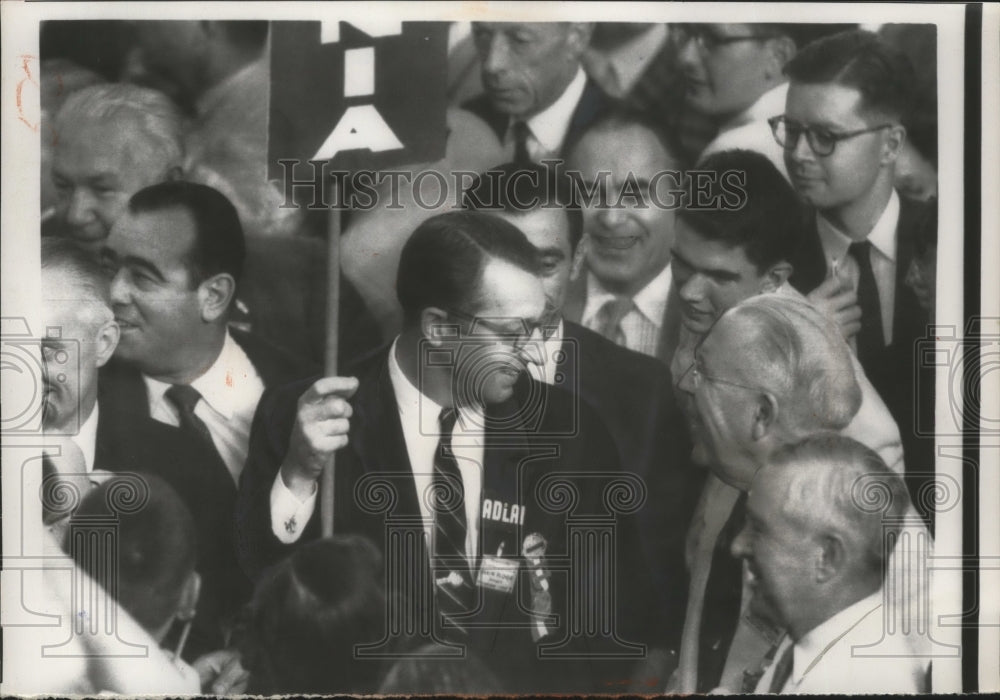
<point x="842" y="132"/>
<point x="448" y="410"/>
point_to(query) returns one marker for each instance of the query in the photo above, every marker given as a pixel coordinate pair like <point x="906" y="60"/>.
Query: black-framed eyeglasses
<point x="821" y="141"/>
<point x="706" y="39"/>
<point x="517" y="331"/>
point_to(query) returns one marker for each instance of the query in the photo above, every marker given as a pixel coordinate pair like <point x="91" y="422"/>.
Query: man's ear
<point x="579" y="37"/>
<point x="433" y="322"/>
<point x="893" y="144"/>
<point x="831" y="557"/>
<point x="782" y="50"/>
<point x="765" y="416"/>
<point x="106" y="341"/>
<point x="188" y="602"/>
<point x="216" y="293"/>
<point x="776" y="276"/>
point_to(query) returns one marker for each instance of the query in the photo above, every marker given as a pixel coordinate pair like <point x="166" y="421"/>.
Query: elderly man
<point x="626" y="293"/>
<point x="629" y="391"/>
<point x="176" y="257"/>
<point x="772" y="371"/>
<point x="112" y="140"/>
<point x="815" y="548"/>
<point x="537" y="97"/>
<point x="450" y="401"/>
<point x="842" y="133"/>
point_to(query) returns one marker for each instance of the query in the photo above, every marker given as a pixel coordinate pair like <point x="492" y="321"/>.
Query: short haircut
<point x="768" y="226"/>
<point x="442" y="263"/>
<point x="860" y="60"/>
<point x="424" y="673"/>
<point x="522" y="188"/>
<point x="91" y="290"/>
<point x="837" y="485"/>
<point x="621" y="118"/>
<point x="219" y="243"/>
<point x="805" y="362"/>
<point x="156" y="547"/>
<point x="158" y="119"/>
<point x="307" y="614"/>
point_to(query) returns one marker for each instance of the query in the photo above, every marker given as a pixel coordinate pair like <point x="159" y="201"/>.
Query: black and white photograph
<point x="500" y="348"/>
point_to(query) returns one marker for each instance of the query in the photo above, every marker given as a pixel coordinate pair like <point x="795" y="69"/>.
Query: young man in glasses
<point x="842" y="132"/>
<point x="448" y="410"/>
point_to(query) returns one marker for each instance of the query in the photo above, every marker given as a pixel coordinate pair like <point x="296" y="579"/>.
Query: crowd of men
<point x="582" y="444"/>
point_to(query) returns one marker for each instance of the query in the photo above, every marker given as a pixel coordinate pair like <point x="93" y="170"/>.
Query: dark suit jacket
<point x="128" y="439"/>
<point x="593" y="103"/>
<point x="633" y="395"/>
<point x="909" y="319"/>
<point x="527" y="443"/>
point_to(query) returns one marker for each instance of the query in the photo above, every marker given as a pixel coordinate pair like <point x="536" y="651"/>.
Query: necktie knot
<point x="521" y="131"/>
<point x="447" y="421"/>
<point x="184" y="397"/>
<point x="610" y="315"/>
<point x="859" y="249"/>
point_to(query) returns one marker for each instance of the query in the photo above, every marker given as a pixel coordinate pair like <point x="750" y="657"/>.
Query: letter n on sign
<point x="366" y="95"/>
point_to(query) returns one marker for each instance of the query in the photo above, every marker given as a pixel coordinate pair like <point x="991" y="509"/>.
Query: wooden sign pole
<point x="326" y="487"/>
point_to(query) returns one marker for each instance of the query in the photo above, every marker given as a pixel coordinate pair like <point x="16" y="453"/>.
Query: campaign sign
<point x="357" y="95"/>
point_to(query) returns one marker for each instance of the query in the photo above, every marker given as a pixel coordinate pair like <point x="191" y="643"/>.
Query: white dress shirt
<point x="883" y="258"/>
<point x="418" y="416"/>
<point x="641" y="326"/>
<point x="549" y="127"/>
<point x="849" y="654"/>
<point x="750" y="131"/>
<point x="230" y="390"/>
<point x="86" y="439"/>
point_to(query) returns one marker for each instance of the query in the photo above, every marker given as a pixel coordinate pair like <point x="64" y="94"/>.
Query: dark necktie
<point x="609" y="318"/>
<point x="448" y="548"/>
<point x="185" y="398"/>
<point x="783" y="671"/>
<point x="870" y="338"/>
<point x="521" y="132"/>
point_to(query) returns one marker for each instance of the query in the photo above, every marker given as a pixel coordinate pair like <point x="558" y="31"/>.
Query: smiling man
<point x="815" y="553"/>
<point x="537" y="97"/>
<point x="624" y="295"/>
<point x="175" y="258"/>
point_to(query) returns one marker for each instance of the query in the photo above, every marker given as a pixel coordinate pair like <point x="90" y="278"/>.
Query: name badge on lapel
<point x="497" y="573"/>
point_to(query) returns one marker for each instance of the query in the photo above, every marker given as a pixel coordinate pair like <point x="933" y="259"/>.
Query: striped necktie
<point x="451" y="567"/>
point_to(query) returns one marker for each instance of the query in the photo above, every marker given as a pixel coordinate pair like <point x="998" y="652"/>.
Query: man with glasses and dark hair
<point x="449" y="409"/>
<point x="842" y="132"/>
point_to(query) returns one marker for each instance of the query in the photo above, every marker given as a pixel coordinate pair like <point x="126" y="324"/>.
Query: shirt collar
<point x="86" y="438"/>
<point x="818" y="640"/>
<point x="770" y="104"/>
<point x="221" y="385"/>
<point x="651" y="300"/>
<point x="882" y="236"/>
<point x="550" y="126"/>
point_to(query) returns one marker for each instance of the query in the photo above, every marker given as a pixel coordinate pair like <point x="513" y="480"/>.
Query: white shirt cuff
<point x="289" y="515"/>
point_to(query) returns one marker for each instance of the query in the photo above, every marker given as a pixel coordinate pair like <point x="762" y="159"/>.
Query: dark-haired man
<point x="450" y="403"/>
<point x="842" y="132"/>
<point x="176" y="257"/>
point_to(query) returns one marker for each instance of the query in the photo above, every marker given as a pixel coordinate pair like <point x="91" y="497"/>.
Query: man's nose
<point x="693" y="288"/>
<point x="120" y="294"/>
<point x="80" y="207"/>
<point x="496" y="59"/>
<point x="802" y="151"/>
<point x="741" y="545"/>
<point x="611" y="217"/>
<point x="688" y="55"/>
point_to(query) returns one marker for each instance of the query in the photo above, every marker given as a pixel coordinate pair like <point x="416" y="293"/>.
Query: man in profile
<point x="816" y="551"/>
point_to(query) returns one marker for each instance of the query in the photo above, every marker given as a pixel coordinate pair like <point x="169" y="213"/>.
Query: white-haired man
<point x="815" y="547"/>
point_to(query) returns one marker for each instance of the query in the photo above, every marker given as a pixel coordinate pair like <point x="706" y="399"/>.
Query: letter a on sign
<point x="360" y="95"/>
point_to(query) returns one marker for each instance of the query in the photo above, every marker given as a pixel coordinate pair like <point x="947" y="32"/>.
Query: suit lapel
<point x="670" y="328"/>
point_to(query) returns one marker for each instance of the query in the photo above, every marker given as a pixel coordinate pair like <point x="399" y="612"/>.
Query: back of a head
<point x="156" y="119"/>
<point x="220" y="244"/>
<point x="837" y="486"/>
<point x="71" y="274"/>
<point x="156" y="543"/>
<point x="516" y="188"/>
<point x="860" y="60"/>
<point x="308" y="613"/>
<point x="766" y="222"/>
<point x="441" y="264"/>
<point x="802" y="359"/>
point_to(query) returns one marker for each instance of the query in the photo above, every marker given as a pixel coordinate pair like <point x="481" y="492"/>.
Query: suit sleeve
<point x="257" y="546"/>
